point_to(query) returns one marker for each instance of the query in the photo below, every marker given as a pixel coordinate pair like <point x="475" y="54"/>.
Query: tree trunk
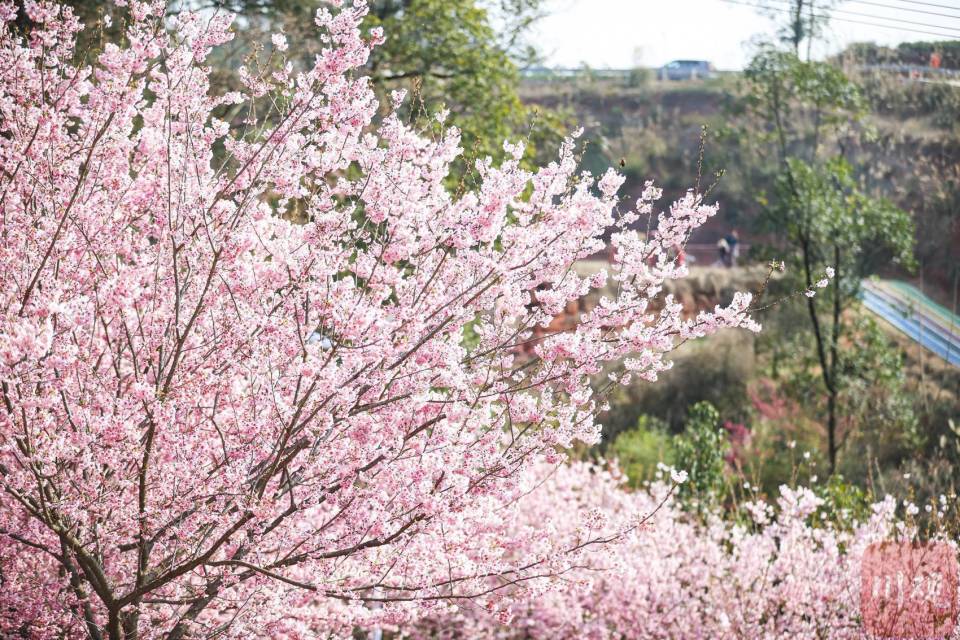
<point x="797" y="35"/>
<point x="832" y="430"/>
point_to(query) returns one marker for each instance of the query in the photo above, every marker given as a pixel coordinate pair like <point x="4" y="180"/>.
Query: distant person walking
<point x="733" y="248"/>
<point x="723" y="250"/>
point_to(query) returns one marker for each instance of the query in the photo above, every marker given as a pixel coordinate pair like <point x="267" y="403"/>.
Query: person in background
<point x="723" y="249"/>
<point x="733" y="248"/>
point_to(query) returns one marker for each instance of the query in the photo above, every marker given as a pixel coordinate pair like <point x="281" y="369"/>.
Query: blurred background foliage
<point x="460" y="55"/>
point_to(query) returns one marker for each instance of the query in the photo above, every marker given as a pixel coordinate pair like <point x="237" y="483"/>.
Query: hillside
<point x="912" y="149"/>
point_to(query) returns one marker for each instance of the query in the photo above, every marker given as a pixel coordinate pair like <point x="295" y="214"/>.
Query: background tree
<point x="463" y="56"/>
<point x="801" y="21"/>
<point x="818" y="211"/>
<point x="460" y="55"/>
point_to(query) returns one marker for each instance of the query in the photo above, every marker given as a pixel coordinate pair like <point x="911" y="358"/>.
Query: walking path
<point x="923" y="320"/>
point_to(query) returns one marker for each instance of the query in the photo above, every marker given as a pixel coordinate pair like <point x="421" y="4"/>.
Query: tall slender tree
<point x="820" y="214"/>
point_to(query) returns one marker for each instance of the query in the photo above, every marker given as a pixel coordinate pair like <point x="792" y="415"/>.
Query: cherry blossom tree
<point x="274" y="378"/>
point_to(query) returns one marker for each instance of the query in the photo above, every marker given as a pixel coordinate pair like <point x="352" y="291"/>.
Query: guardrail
<point x="912" y="313"/>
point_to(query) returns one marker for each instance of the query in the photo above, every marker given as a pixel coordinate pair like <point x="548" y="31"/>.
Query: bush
<point x="639" y="77"/>
<point x="640" y="450"/>
<point x="701" y="451"/>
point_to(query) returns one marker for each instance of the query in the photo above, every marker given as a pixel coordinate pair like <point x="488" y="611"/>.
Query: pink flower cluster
<point x="776" y="577"/>
<point x="217" y="421"/>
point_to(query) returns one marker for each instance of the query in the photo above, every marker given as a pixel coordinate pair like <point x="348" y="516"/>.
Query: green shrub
<point x="639" y="450"/>
<point x="700" y="451"/>
<point x="844" y="504"/>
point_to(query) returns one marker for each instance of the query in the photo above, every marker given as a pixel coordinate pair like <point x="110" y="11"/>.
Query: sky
<point x="628" y="33"/>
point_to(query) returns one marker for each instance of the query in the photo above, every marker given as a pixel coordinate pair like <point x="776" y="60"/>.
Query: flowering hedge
<point x="777" y="577"/>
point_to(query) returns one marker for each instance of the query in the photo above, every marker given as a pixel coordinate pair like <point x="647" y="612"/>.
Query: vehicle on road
<point x="686" y="70"/>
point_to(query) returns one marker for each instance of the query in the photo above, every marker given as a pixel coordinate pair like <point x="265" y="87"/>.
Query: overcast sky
<point x="626" y="33"/>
